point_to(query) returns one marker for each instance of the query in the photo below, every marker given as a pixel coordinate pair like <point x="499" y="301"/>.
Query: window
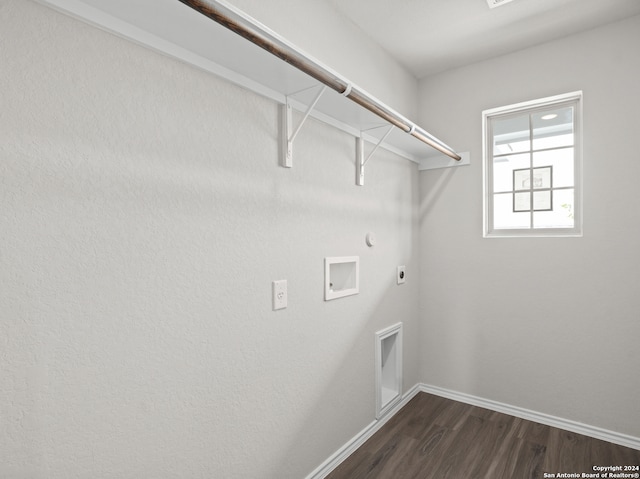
<point x="532" y="168"/>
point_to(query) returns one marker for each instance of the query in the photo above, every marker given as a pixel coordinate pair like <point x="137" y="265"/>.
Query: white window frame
<point x="573" y="98"/>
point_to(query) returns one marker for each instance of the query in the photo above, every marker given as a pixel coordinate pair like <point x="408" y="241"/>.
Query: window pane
<point x="510" y="135"/>
<point x="562" y="163"/>
<point x="562" y="215"/>
<point x="552" y="128"/>
<point x="542" y="177"/>
<point x="503" y="170"/>
<point x="522" y="179"/>
<point x="504" y="216"/>
<point x="522" y="201"/>
<point x="542" y="200"/>
<point x="531" y="159"/>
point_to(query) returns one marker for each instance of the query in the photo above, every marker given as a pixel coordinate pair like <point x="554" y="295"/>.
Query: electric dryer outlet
<point x="401" y="276"/>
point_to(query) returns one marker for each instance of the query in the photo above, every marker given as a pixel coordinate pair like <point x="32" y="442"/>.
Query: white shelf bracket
<point x="361" y="161"/>
<point x="287" y="137"/>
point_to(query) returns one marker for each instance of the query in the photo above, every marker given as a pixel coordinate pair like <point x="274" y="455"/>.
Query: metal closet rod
<point x="240" y="23"/>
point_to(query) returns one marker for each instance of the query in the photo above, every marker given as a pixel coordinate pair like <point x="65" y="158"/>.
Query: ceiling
<point x="431" y="36"/>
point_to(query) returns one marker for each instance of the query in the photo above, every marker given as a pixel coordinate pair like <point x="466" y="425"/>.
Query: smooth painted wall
<point x="143" y="217"/>
<point x="548" y="324"/>
<point x="321" y="31"/>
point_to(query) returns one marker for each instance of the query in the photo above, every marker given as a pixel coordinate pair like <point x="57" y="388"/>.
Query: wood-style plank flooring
<point x="436" y="438"/>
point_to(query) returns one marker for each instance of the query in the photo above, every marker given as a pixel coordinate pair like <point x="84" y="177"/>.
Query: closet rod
<point x="245" y="26"/>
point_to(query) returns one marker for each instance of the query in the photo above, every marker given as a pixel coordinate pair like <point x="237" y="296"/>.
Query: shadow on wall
<point x="451" y="337"/>
<point x="433" y="195"/>
<point x="346" y="378"/>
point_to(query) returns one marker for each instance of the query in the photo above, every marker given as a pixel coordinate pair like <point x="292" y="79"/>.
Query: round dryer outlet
<point x="401" y="277"/>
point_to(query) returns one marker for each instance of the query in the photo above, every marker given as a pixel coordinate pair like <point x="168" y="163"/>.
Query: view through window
<point x="531" y="167"/>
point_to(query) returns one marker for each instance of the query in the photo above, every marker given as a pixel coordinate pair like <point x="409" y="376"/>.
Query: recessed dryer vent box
<point x="388" y="369"/>
<point x="341" y="277"/>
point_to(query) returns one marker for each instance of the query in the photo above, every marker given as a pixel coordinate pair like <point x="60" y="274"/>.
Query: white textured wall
<point x="143" y="216"/>
<point x="549" y="324"/>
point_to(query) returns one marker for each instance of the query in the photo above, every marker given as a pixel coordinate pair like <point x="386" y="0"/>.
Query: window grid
<point x="532" y="189"/>
<point x="571" y="101"/>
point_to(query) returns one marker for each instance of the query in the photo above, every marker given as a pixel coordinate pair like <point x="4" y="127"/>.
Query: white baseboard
<point x="345" y="451"/>
<point x="359" y="439"/>
<point x="560" y="423"/>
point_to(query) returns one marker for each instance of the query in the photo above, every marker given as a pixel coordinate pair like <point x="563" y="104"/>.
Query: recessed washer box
<point x="341" y="277"/>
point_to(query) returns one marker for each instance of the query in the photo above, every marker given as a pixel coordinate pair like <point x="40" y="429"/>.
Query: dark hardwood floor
<point x="436" y="438"/>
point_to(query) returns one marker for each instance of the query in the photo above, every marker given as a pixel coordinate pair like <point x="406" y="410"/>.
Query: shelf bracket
<point x="286" y="135"/>
<point x="361" y="161"/>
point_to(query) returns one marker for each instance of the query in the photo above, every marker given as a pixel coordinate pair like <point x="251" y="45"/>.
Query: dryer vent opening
<point x="388" y="368"/>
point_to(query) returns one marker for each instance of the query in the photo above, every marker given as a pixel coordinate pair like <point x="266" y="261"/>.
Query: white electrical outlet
<point x="279" y="294"/>
<point x="401" y="276"/>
